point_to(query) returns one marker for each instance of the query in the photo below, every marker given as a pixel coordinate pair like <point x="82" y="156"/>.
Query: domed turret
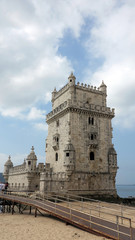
<point x="7" y="166"/>
<point x="112" y="157"/>
<point x="53" y="94"/>
<point x="103" y="87"/>
<point x="9" y="162"/>
<point x="71" y="79"/>
<point x="69" y="159"/>
<point x="69" y="147"/>
<point x="31" y="160"/>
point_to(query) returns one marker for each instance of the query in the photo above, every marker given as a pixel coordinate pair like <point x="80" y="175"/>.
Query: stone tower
<point x="80" y="157"/>
<point x="7" y="166"/>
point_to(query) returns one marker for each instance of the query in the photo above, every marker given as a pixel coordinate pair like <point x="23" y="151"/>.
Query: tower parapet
<point x="86" y="162"/>
<point x="31" y="161"/>
<point x="7" y="167"/>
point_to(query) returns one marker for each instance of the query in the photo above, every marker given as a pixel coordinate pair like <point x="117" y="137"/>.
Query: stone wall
<point x="79" y="142"/>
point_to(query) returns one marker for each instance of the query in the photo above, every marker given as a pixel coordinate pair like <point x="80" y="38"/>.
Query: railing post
<point x="130" y="229"/>
<point x="90" y="218"/>
<point x="99" y="208"/>
<point x="55" y="205"/>
<point x="35" y="212"/>
<point x="70" y="214"/>
<point x="117" y="221"/>
<point x="30" y="210"/>
<point x="82" y="202"/>
<point x="13" y="208"/>
<point x="121" y="215"/>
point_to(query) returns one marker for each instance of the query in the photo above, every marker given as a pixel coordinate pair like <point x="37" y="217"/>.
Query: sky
<point x="41" y="42"/>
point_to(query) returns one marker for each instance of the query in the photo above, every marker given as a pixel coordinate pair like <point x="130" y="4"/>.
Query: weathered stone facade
<point x="24" y="177"/>
<point x="80" y="157"/>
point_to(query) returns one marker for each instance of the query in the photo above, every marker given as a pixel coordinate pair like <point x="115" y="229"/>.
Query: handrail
<point x="72" y="214"/>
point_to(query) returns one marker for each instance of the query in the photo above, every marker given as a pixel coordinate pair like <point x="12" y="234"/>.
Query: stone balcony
<point x="92" y="143"/>
<point x="92" y="108"/>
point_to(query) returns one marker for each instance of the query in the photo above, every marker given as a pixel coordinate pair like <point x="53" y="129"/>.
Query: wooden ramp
<point x="85" y="221"/>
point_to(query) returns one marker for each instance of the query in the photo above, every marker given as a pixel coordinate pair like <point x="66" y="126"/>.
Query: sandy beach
<point x="27" y="227"/>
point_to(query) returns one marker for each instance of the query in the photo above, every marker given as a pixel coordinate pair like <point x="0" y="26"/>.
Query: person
<point x="2" y="187"/>
<point x="6" y="187"/>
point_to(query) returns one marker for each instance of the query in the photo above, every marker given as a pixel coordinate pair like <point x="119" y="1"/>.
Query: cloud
<point x="112" y="39"/>
<point x="30" y="66"/>
<point x="36" y="114"/>
<point x="41" y="126"/>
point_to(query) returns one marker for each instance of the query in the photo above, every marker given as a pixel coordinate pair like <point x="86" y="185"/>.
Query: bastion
<point x="80" y="155"/>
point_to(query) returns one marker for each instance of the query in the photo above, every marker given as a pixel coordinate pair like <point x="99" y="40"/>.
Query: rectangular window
<point x="57" y="123"/>
<point x="67" y="154"/>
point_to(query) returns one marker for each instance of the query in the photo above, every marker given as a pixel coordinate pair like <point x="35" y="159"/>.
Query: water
<point x="125" y="191"/>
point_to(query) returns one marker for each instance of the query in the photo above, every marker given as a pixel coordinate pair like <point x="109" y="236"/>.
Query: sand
<point x="27" y="227"/>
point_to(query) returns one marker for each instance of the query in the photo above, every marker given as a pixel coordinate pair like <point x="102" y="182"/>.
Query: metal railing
<point x="72" y="212"/>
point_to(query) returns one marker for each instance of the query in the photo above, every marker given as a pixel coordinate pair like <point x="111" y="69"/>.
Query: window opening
<point x="67" y="154"/>
<point x="92" y="137"/>
<point x="91" y="121"/>
<point x="56" y="157"/>
<point x="29" y="162"/>
<point x="91" y="155"/>
<point x="57" y="123"/>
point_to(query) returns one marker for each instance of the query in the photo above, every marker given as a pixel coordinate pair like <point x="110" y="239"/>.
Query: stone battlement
<point x="17" y="169"/>
<point x="78" y="86"/>
<point x="54" y="176"/>
<point x="88" y="88"/>
<point x="61" y="91"/>
<point x="91" y="107"/>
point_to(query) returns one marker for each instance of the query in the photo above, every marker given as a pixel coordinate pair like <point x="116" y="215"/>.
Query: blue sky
<point x="41" y="42"/>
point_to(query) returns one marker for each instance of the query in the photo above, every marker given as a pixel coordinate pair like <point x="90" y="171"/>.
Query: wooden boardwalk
<point x="75" y="217"/>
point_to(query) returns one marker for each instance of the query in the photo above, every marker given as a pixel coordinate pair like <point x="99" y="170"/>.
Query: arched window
<point x="91" y="121"/>
<point x="92" y="136"/>
<point x="56" y="156"/>
<point x="91" y="155"/>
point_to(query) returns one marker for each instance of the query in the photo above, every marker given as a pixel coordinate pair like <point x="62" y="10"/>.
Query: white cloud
<point x="113" y="40"/>
<point x="30" y="33"/>
<point x="41" y="126"/>
<point x="36" y="114"/>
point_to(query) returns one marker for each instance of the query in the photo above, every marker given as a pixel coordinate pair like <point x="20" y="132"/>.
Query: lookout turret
<point x="7" y="166"/>
<point x="85" y="164"/>
<point x="31" y="161"/>
<point x="71" y="79"/>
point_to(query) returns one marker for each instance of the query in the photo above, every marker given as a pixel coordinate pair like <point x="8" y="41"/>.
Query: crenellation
<point x="61" y="91"/>
<point x="80" y="156"/>
<point x="92" y="108"/>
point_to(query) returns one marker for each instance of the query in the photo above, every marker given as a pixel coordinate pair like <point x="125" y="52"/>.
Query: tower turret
<point x="7" y="166"/>
<point x="69" y="158"/>
<point x="53" y="94"/>
<point x="71" y="79"/>
<point x="31" y="161"/>
<point x="103" y="87"/>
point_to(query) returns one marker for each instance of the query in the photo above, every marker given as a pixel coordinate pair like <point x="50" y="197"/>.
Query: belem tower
<point x="80" y="156"/>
